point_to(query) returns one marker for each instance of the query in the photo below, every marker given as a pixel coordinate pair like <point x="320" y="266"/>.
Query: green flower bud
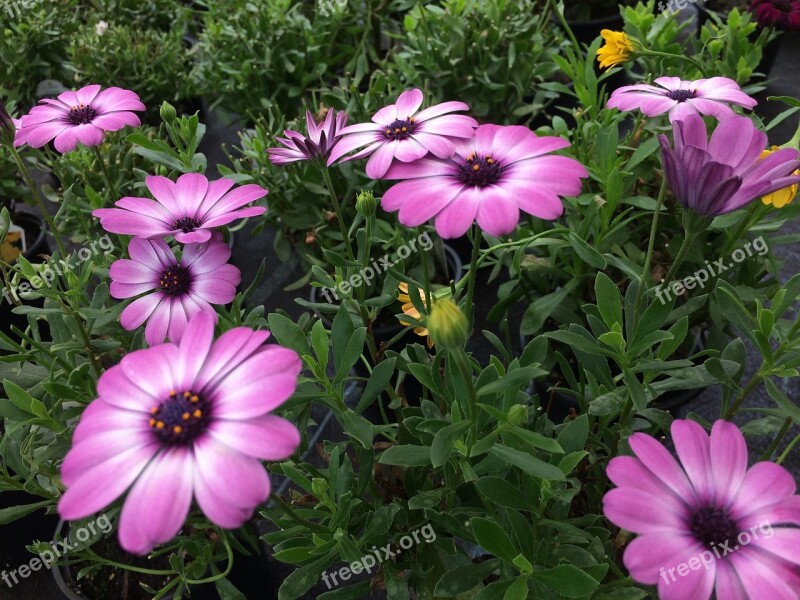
<point x="365" y="203"/>
<point x="168" y="113"/>
<point x="447" y="325"/>
<point x="517" y="414"/>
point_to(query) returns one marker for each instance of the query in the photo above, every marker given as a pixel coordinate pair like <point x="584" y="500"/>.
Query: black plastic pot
<point x="586" y="31"/>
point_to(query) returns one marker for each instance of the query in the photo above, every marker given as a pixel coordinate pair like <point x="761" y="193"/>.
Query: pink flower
<point x="318" y="144"/>
<point x="682" y="98"/>
<point x="181" y="289"/>
<point x="399" y="131"/>
<point x="708" y="524"/>
<point x="177" y="422"/>
<point x="489" y="179"/>
<point x="781" y="14"/>
<point x="187" y="209"/>
<point x="80" y="117"/>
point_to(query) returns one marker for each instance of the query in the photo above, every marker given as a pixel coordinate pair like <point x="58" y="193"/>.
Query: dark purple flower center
<point x="681" y="95"/>
<point x="81" y="114"/>
<point x="175" y="281"/>
<point x="479" y="171"/>
<point x="181" y="419"/>
<point x="712" y="525"/>
<point x="186" y="224"/>
<point x="400" y="129"/>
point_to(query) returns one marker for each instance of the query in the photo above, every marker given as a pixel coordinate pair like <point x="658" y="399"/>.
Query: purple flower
<point x="716" y="176"/>
<point x="318" y="145"/>
<point x="489" y="179"/>
<point x="399" y="131"/>
<point x="709" y="523"/>
<point x="187" y="209"/>
<point x="80" y="117"/>
<point x="181" y="289"/>
<point x="682" y="98"/>
<point x="781" y="14"/>
<point x="175" y="422"/>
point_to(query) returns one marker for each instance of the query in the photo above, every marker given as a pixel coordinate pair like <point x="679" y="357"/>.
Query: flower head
<point x="741" y="523"/>
<point x="411" y="310"/>
<point x="318" y="144"/>
<point x="618" y="48"/>
<point x="177" y="422"/>
<point x="782" y="197"/>
<point x="80" y="117"/>
<point x="400" y="131"/>
<point x="176" y="290"/>
<point x="718" y="175"/>
<point x="780" y="14"/>
<point x="489" y="179"/>
<point x="682" y="98"/>
<point x="187" y="208"/>
<point x="448" y="325"/>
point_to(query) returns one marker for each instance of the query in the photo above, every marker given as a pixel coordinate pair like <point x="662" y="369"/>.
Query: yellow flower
<point x="617" y="49"/>
<point x="779" y="198"/>
<point x="410" y="310"/>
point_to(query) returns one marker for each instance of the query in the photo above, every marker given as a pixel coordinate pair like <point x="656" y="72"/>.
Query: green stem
<point x="751" y="385"/>
<point x="649" y="256"/>
<point x="753" y="218"/>
<point x="473" y="274"/>
<point x="461" y="360"/>
<point x="326" y="176"/>
<point x="645" y="52"/>
<point x="778" y="439"/>
<point x="42" y="207"/>
<point x="426" y="282"/>
<point x="566" y="27"/>
<point x="227" y="571"/>
<point x="111" y="185"/>
<point x="688" y="242"/>
<point x="789" y="448"/>
<point x="289" y="512"/>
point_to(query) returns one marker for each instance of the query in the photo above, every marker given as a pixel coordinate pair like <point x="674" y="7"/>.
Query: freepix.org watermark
<point x="368" y="273"/>
<point x="711" y="269"/>
<point x="673" y="7"/>
<point x="720" y="550"/>
<point x="46" y="558"/>
<point x="376" y="557"/>
<point x="49" y="270"/>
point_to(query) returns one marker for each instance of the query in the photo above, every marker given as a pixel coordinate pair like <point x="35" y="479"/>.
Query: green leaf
<point x="511" y="380"/>
<point x="303" y="578"/>
<point x="378" y="380"/>
<point x="518" y="590"/>
<point x="567" y="580"/>
<point x="501" y="492"/>
<point x="463" y="578"/>
<point x="490" y="536"/>
<point x="358" y="428"/>
<point x="541" y="309"/>
<point x="588" y="254"/>
<point x="527" y="463"/>
<point x="444" y="440"/>
<point x="288" y="334"/>
<point x="406" y="456"/>
<point x="8" y="515"/>
<point x="355" y="346"/>
<point x="228" y="591"/>
<point x="609" y="301"/>
<point x="319" y="339"/>
<point x="574" y="435"/>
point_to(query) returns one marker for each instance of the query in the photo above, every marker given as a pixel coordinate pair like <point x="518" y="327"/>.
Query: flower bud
<point x="447" y="325"/>
<point x="365" y="203"/>
<point x="517" y="414"/>
<point x="168" y="113"/>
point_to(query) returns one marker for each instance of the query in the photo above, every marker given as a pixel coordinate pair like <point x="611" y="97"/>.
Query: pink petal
<point x="758" y="579"/>
<point x="214" y="291"/>
<point x="695" y="585"/>
<point x="457" y="217"/>
<point x="116" y="121"/>
<point x="765" y="483"/>
<point x="165" y="191"/>
<point x="178" y="320"/>
<point x="661" y="463"/>
<point x="498" y="213"/>
<point x="151" y="370"/>
<point x="117" y="99"/>
<point x="95" y="449"/>
<point x="350" y="142"/>
<point x="440" y="109"/>
<point x="422" y="199"/>
<point x="409" y="150"/>
<point x="266" y="437"/>
<point x="438" y="145"/>
<point x="193" y="350"/>
<point x="154" y="253"/>
<point x="228" y="352"/>
<point x="381" y="159"/>
<point x="191" y="189"/>
<point x="138" y="311"/>
<point x="408" y="102"/>
<point x="649" y="557"/>
<point x="219" y="511"/>
<point x="235" y="478"/>
<point x="728" y="460"/>
<point x="130" y="271"/>
<point x="728" y="585"/>
<point x="694" y="449"/>
<point x="641" y="512"/>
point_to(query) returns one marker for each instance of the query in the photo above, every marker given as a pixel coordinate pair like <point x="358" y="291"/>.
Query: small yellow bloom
<point x="410" y="310"/>
<point x="779" y="198"/>
<point x="617" y="49"/>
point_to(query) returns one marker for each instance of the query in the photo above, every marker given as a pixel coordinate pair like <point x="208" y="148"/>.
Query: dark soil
<point x="724" y="6"/>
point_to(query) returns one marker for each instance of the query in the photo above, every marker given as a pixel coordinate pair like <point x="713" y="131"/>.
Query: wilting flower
<point x="723" y="527"/>
<point x="187" y="208"/>
<point x="410" y="310"/>
<point x="80" y="117"/>
<point x="717" y="176"/>
<point x="682" y="98"/>
<point x="780" y="14"/>
<point x="618" y="48"/>
<point x="180" y="421"/>
<point x="399" y="131"/>
<point x="782" y="197"/>
<point x="489" y="179"/>
<point x="318" y="144"/>
<point x="179" y="289"/>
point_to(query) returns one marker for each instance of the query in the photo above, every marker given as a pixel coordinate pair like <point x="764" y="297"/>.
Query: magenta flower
<point x="80" y="117"/>
<point x="717" y="176"/>
<point x="187" y="209"/>
<point x="175" y="422"/>
<point x="781" y="14"/>
<point x="180" y="289"/>
<point x="318" y="144"/>
<point x="489" y="179"/>
<point x="682" y="98"/>
<point x="709" y="523"/>
<point x="399" y="131"/>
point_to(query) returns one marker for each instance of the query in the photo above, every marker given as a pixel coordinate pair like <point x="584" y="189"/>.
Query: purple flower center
<point x="181" y="419"/>
<point x="712" y="525"/>
<point x="400" y="129"/>
<point x="681" y="95"/>
<point x="175" y="281"/>
<point x="81" y="114"/>
<point x="479" y="171"/>
<point x="186" y="224"/>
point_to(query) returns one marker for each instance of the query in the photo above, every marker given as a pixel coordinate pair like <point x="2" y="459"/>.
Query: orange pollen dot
<point x="489" y="160"/>
<point x="177" y="429"/>
<point x="154" y="410"/>
<point x="412" y="119"/>
<point x="152" y="422"/>
<point x="388" y="131"/>
<point x="405" y="128"/>
<point x="173" y="393"/>
<point x="186" y="394"/>
<point x="476" y="167"/>
<point x="397" y="130"/>
<point x="197" y="414"/>
<point x="195" y="398"/>
<point x="160" y="425"/>
<point x="185" y="416"/>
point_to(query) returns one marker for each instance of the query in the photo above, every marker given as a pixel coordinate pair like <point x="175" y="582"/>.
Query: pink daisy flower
<point x="682" y="98"/>
<point x="187" y="209"/>
<point x="318" y="144"/>
<point x="489" y="179"/>
<point x="708" y="524"/>
<point x="180" y="289"/>
<point x="177" y="422"/>
<point x="80" y="117"/>
<point x="399" y="131"/>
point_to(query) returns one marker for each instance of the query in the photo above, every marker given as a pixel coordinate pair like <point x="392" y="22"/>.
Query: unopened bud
<point x="517" y="414"/>
<point x="447" y="325"/>
<point x="365" y="203"/>
<point x="168" y="113"/>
